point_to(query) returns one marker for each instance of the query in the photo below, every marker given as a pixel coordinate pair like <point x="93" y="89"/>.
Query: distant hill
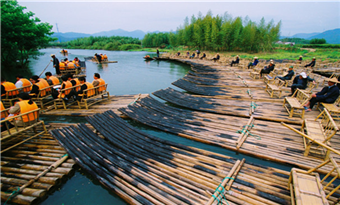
<point x="331" y="36"/>
<point x="118" y="32"/>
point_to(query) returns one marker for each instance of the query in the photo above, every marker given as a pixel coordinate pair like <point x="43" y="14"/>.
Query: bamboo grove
<point x="219" y="34"/>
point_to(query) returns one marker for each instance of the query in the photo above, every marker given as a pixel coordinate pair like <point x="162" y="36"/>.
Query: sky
<point x="86" y="16"/>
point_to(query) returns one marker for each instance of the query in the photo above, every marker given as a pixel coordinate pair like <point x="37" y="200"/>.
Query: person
<point x="328" y="94"/>
<point x="24" y="105"/>
<point x="99" y="58"/>
<point x="56" y="64"/>
<point x="70" y="65"/>
<point x="65" y="95"/>
<point x="178" y="53"/>
<point x="84" y="85"/>
<point x="254" y="63"/>
<point x="6" y="86"/>
<point x="203" y="56"/>
<point x="198" y="53"/>
<point x="23" y="82"/>
<point x="37" y="86"/>
<point x="51" y="80"/>
<point x="300" y="81"/>
<point x="74" y="81"/>
<point x="216" y="58"/>
<point x="97" y="80"/>
<point x="157" y="53"/>
<point x="237" y="60"/>
<point x="193" y="55"/>
<point x="105" y="57"/>
<point x="300" y="60"/>
<point x="268" y="69"/>
<point x="288" y="76"/>
<point x="76" y="61"/>
<point x="311" y="64"/>
<point x="188" y="54"/>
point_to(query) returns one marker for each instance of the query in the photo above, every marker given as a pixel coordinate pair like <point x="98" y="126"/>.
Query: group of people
<point x="100" y="57"/>
<point x="64" y="64"/>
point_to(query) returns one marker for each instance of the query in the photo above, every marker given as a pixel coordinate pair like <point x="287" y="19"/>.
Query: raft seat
<point x="274" y="87"/>
<point x="44" y="97"/>
<point x="294" y="104"/>
<point x="60" y="102"/>
<point x="255" y="74"/>
<point x="100" y="94"/>
<point x="332" y="108"/>
<point x="8" y="100"/>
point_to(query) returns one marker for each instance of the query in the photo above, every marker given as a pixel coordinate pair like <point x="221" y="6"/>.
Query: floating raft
<point x="114" y="103"/>
<point x="27" y="161"/>
<point x="268" y="140"/>
<point x="143" y="169"/>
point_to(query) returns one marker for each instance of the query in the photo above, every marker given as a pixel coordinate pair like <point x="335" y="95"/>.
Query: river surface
<point x="131" y="75"/>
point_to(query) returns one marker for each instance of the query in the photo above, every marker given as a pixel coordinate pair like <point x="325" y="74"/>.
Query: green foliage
<point x="112" y="43"/>
<point x="321" y="46"/>
<point x="153" y="40"/>
<point x="317" y="41"/>
<point x="21" y="35"/>
<point x="296" y="40"/>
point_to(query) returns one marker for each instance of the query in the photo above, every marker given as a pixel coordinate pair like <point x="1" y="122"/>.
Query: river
<point x="131" y="75"/>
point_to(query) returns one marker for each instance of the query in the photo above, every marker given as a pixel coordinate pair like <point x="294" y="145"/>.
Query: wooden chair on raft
<point x="44" y="97"/>
<point x="295" y="103"/>
<point x="60" y="102"/>
<point x="332" y="108"/>
<point x="274" y="87"/>
<point x="255" y="74"/>
<point x="11" y="95"/>
<point x="31" y="122"/>
<point x="96" y="95"/>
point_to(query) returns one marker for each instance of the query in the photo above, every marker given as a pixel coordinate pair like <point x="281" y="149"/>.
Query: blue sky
<point x="85" y="16"/>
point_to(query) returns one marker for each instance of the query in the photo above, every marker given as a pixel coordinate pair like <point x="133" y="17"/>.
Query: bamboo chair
<point x="44" y="97"/>
<point x="294" y="104"/>
<point x="60" y="102"/>
<point x="255" y="74"/>
<point x="306" y="186"/>
<point x="100" y="92"/>
<point x="11" y="95"/>
<point x="274" y="87"/>
<point x="332" y="108"/>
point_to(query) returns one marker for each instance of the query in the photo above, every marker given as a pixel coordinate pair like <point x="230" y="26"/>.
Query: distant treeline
<point x="304" y="41"/>
<point x="113" y="43"/>
<point x="219" y="34"/>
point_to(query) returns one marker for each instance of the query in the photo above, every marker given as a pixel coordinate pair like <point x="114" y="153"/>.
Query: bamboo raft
<point x="34" y="169"/>
<point x="114" y="103"/>
<point x="143" y="169"/>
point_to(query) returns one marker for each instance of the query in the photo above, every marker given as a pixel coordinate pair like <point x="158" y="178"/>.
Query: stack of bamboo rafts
<point x="33" y="169"/>
<point x="143" y="169"/>
<point x="267" y="140"/>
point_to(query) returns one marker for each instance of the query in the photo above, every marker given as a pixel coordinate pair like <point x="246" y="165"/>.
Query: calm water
<point x="131" y="75"/>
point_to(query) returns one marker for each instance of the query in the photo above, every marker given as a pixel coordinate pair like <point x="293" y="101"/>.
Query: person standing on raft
<point x="56" y="64"/>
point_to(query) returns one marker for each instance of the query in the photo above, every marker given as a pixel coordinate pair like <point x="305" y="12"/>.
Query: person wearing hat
<point x="288" y="76"/>
<point x="328" y="94"/>
<point x="203" y="56"/>
<point x="55" y="64"/>
<point x="300" y="59"/>
<point x="311" y="64"/>
<point x="300" y="81"/>
<point x="268" y="69"/>
<point x="256" y="61"/>
<point x="236" y="61"/>
<point x="217" y="57"/>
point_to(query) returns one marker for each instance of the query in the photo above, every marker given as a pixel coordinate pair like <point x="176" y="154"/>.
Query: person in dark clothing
<point x="198" y="53"/>
<point x="300" y="81"/>
<point x="311" y="64"/>
<point x="328" y="94"/>
<point x="178" y="53"/>
<point x="55" y="64"/>
<point x="99" y="58"/>
<point x="217" y="57"/>
<point x="203" y="56"/>
<point x="193" y="55"/>
<point x="157" y="53"/>
<point x="268" y="69"/>
<point x="288" y="76"/>
<point x="300" y="60"/>
<point x="236" y="61"/>
<point x="79" y="93"/>
<point x="256" y="61"/>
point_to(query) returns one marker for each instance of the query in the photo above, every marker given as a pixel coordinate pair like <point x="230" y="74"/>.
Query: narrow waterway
<point x="131" y="75"/>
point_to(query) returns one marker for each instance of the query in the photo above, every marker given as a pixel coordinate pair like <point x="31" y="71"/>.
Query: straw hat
<point x="255" y="57"/>
<point x="271" y="61"/>
<point x="52" y="55"/>
<point x="300" y="56"/>
<point x="303" y="74"/>
<point x="313" y="57"/>
<point x="333" y="80"/>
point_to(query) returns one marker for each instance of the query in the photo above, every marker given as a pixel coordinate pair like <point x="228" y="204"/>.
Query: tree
<point x="21" y="35"/>
<point x="317" y="41"/>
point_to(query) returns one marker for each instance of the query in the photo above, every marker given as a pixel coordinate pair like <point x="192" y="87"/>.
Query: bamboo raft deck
<point x="114" y="103"/>
<point x="274" y="142"/>
<point x="22" y="165"/>
<point x="143" y="169"/>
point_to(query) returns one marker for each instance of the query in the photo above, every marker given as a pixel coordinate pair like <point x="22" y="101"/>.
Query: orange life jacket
<point x="105" y="56"/>
<point x="55" y="80"/>
<point x="62" y="66"/>
<point x="41" y="87"/>
<point x="102" y="57"/>
<point x="91" y="92"/>
<point x="3" y="114"/>
<point x="25" y="107"/>
<point x="77" y="83"/>
<point x="10" y="86"/>
<point x="70" y="65"/>
<point x="45" y="84"/>
<point x="101" y="82"/>
<point x="76" y="63"/>
<point x="67" y="84"/>
<point x="25" y="82"/>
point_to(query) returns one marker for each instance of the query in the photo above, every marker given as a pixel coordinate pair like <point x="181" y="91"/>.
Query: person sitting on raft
<point x="203" y="56"/>
<point x="23" y="82"/>
<point x="216" y="58"/>
<point x="97" y="80"/>
<point x="311" y="64"/>
<point x="328" y="94"/>
<point x="237" y="60"/>
<point x="98" y="57"/>
<point x="65" y="95"/>
<point x="24" y="105"/>
<point x="300" y="81"/>
<point x="37" y="86"/>
<point x="254" y="63"/>
<point x="268" y="69"/>
<point x="51" y="80"/>
<point x="300" y="60"/>
<point x="6" y="86"/>
<point x="84" y="85"/>
<point x="288" y="76"/>
<point x="192" y="56"/>
<point x="178" y="53"/>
